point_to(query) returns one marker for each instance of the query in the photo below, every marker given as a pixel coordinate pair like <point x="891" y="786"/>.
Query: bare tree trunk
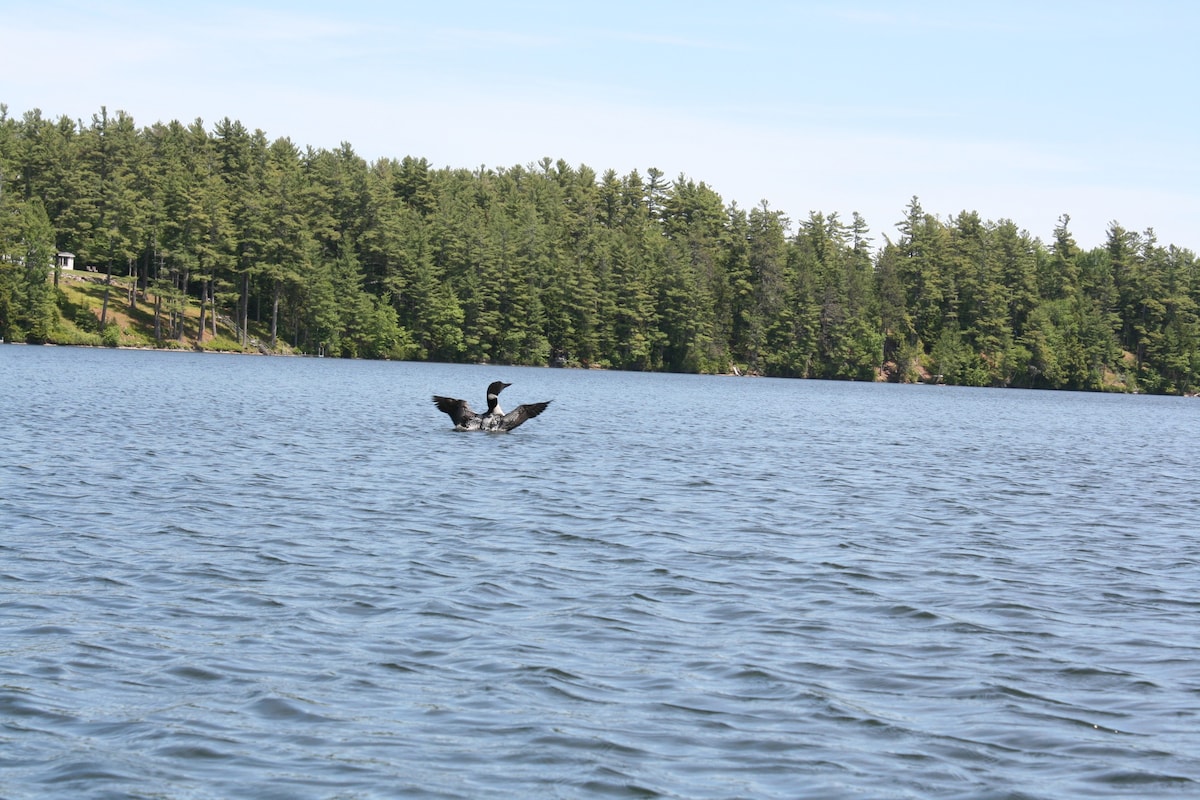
<point x="107" y="289"/>
<point x="183" y="303"/>
<point x="245" y="320"/>
<point x="158" y="316"/>
<point x="275" y="312"/>
<point x="133" y="282"/>
<point x="200" y="327"/>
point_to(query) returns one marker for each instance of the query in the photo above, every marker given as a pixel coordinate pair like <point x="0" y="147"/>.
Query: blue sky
<point x="1018" y="110"/>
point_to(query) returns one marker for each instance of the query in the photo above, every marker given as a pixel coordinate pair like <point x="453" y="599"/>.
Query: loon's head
<point x="493" y="396"/>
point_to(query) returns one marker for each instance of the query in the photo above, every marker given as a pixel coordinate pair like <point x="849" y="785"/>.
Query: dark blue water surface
<point x="228" y="576"/>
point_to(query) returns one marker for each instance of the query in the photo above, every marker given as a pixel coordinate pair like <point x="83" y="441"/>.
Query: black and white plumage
<point x="494" y="419"/>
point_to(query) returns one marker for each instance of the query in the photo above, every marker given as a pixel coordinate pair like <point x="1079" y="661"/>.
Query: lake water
<point x="232" y="576"/>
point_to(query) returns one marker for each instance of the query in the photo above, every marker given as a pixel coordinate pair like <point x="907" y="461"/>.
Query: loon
<point x="494" y="419"/>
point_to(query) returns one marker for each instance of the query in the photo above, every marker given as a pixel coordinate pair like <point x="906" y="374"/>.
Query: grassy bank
<point x="81" y="308"/>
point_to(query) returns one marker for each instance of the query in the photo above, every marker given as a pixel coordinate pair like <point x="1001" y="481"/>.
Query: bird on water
<point x="494" y="419"/>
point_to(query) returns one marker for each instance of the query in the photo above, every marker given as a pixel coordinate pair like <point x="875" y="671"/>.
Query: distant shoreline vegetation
<point x="185" y="236"/>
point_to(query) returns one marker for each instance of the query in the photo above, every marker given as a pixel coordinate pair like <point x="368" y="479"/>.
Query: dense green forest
<point x="319" y="251"/>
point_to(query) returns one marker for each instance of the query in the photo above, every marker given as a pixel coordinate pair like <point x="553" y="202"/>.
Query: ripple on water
<point x="941" y="593"/>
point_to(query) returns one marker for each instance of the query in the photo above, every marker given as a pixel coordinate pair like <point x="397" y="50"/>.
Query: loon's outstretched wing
<point x="521" y="413"/>
<point x="459" y="410"/>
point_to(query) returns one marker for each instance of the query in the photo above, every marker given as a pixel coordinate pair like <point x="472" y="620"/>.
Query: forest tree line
<point x="321" y="251"/>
